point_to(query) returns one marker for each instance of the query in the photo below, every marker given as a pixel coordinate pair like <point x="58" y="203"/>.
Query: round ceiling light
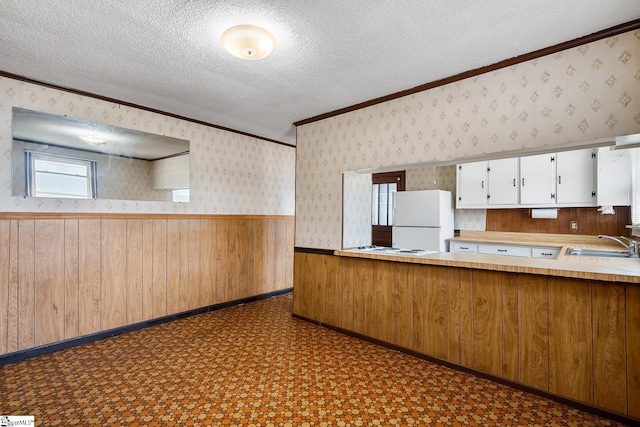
<point x="248" y="42"/>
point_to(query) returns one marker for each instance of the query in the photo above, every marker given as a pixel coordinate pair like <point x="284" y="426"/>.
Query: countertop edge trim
<point x="495" y="266"/>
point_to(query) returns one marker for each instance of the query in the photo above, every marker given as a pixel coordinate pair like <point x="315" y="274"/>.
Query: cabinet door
<point x="503" y="178"/>
<point x="505" y="250"/>
<point x="538" y="179"/>
<point x="549" y="253"/>
<point x="471" y="248"/>
<point x="613" y="177"/>
<point x="576" y="178"/>
<point x="471" y="185"/>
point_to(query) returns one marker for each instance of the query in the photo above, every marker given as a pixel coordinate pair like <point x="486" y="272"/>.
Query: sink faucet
<point x="632" y="247"/>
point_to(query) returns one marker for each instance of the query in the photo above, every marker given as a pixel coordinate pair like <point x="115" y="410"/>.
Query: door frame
<point x="382" y="235"/>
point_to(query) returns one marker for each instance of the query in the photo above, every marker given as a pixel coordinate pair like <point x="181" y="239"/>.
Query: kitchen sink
<point x="607" y="253"/>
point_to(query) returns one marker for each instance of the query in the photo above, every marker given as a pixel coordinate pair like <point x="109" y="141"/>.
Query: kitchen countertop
<point x="590" y="268"/>
<point x="536" y="239"/>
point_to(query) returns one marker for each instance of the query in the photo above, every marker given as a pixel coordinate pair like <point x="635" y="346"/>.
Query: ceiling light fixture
<point x="248" y="42"/>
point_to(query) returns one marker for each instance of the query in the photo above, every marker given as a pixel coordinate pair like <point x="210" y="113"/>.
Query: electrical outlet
<point x="573" y="225"/>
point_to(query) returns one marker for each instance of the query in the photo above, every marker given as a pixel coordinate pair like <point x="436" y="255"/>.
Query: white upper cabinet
<point x="471" y="191"/>
<point x="538" y="179"/>
<point x="569" y="178"/>
<point x="503" y="179"/>
<point x="576" y="178"/>
<point x="614" y="172"/>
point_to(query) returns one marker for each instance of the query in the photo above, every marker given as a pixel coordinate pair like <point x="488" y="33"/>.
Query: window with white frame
<point x="382" y="204"/>
<point x="52" y="175"/>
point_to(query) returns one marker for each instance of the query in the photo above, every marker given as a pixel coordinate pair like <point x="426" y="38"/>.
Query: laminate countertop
<point x="580" y="267"/>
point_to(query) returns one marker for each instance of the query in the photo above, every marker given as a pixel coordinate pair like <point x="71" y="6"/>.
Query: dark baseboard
<point x="61" y="345"/>
<point x="556" y="398"/>
<point x="314" y="251"/>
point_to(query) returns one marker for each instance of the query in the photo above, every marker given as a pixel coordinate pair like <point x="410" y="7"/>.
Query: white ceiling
<point x="330" y="54"/>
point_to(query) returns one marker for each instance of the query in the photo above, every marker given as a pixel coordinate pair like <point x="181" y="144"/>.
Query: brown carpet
<point x="254" y="365"/>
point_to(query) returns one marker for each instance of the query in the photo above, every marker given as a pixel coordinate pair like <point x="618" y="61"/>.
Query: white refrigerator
<point x="422" y="219"/>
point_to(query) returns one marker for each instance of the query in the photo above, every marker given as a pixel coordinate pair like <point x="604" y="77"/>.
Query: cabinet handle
<point x="464" y="248"/>
<point x="559" y="179"/>
<point x="546" y="254"/>
<point x="482" y="184"/>
<point x="523" y="182"/>
<point x="502" y="250"/>
<point x="514" y="182"/>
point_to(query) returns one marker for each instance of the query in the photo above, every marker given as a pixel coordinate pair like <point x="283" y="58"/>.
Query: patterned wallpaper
<point x="128" y="179"/>
<point x="588" y="92"/>
<point x="229" y="173"/>
<point x="171" y="173"/>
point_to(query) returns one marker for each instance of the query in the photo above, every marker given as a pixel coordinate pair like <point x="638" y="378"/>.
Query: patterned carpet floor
<point x="255" y="365"/>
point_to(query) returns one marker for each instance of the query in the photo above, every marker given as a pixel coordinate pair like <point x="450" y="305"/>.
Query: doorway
<point x="383" y="187"/>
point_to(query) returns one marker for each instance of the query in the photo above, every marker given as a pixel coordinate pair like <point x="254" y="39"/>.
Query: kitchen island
<point x="568" y="327"/>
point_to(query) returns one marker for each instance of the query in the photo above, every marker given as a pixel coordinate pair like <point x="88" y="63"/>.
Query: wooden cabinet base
<point x="500" y="380"/>
<point x="569" y="339"/>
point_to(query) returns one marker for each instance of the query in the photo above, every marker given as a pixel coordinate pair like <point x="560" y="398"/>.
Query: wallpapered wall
<point x="171" y="173"/>
<point x="230" y="173"/>
<point x="576" y="95"/>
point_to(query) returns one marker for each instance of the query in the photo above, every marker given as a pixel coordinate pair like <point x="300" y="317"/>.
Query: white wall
<point x="576" y="95"/>
<point x="356" y="230"/>
<point x="230" y="173"/>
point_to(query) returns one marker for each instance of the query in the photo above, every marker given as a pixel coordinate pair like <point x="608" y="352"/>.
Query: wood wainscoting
<point x="66" y="276"/>
<point x="590" y="221"/>
<point x="572" y="338"/>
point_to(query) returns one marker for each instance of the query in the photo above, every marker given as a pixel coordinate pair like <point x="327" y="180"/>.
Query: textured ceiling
<point x="330" y="54"/>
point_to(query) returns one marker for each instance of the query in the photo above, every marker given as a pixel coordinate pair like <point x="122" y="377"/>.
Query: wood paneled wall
<point x="590" y="221"/>
<point x="575" y="338"/>
<point x="62" y="278"/>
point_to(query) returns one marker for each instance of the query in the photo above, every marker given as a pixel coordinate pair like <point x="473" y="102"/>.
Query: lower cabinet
<point x="463" y="247"/>
<point x="506" y="250"/>
<point x="570" y="337"/>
